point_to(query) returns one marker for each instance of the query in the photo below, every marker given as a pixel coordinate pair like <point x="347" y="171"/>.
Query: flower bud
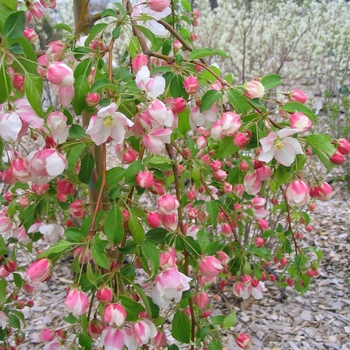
<point x="18" y="82"/>
<point x="298" y="96"/>
<point x="191" y="85"/>
<point x="244" y="341"/>
<point x="240" y="140"/>
<point x="77" y="209"/>
<point x="178" y="105"/>
<point x="47" y="335"/>
<point x="104" y="295"/>
<point x="254" y="89"/>
<point x="31" y="35"/>
<point x="95" y="328"/>
<point x="92" y="99"/>
<point x="144" y="179"/>
<point x="263" y="224"/>
<point x="244" y="166"/>
<point x="201" y="300"/>
<point x="154" y="219"/>
<point x="259" y="242"/>
<point x="60" y="74"/>
<point x="158" y="5"/>
<point x="114" y="315"/>
<point x="138" y="62"/>
<point x="343" y="146"/>
<point x="168" y="204"/>
<point x="297" y="193"/>
<point x="210" y="266"/>
<point x="39" y="271"/>
<point x="300" y="121"/>
<point x="337" y="158"/>
<point x="76" y="302"/>
<point x="177" y="45"/>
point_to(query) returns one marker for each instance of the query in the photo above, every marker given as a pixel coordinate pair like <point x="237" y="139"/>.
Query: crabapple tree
<point x="223" y="168"/>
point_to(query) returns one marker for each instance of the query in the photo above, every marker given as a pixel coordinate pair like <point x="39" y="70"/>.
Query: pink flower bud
<point x="169" y="221"/>
<point x="95" y="328"/>
<point x="47" y="335"/>
<point x="18" y="82"/>
<point x="60" y="74"/>
<point x="85" y="254"/>
<point x="168" y="204"/>
<point x="20" y="169"/>
<point x="191" y="85"/>
<point x="40" y="190"/>
<point x="300" y="121"/>
<point x="196" y="14"/>
<point x="201" y="300"/>
<point x="244" y="166"/>
<point x="65" y="187"/>
<point x="154" y="219"/>
<point x="194" y="37"/>
<point x="337" y="158"/>
<point x="76" y="302"/>
<point x="104" y="295"/>
<point x="195" y="22"/>
<point x="77" y="209"/>
<point x="264" y="173"/>
<point x="159" y="340"/>
<point x="10" y="265"/>
<point x="324" y="192"/>
<point x="39" y="271"/>
<point x="240" y="140"/>
<point x="167" y="259"/>
<point x="158" y="5"/>
<point x="216" y="165"/>
<point x="343" y="146"/>
<point x="210" y="266"/>
<point x="254" y="89"/>
<point x="263" y="224"/>
<point x="158" y="187"/>
<point x="297" y="193"/>
<point x="177" y="45"/>
<point x="92" y="99"/>
<point x="298" y="96"/>
<point x="114" y="314"/>
<point x="144" y="179"/>
<point x="138" y="62"/>
<point x="31" y="35"/>
<point x="228" y="187"/>
<point x="238" y="190"/>
<point x="259" y="242"/>
<point x="3" y="272"/>
<point x="178" y="105"/>
<point x="201" y="142"/>
<point x="238" y="289"/>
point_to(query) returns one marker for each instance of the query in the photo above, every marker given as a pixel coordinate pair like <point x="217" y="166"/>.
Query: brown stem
<point x="290" y="224"/>
<point x="82" y="16"/>
<point x="208" y="190"/>
<point x="90" y="306"/>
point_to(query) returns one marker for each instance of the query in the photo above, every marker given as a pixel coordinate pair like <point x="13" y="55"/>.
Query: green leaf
<point x="116" y="32"/>
<point x="109" y="13"/>
<point x="73" y="157"/>
<point x="132" y="308"/>
<point x="151" y="308"/>
<point x="183" y="121"/>
<point x="181" y="327"/>
<point x="12" y="4"/>
<point x="157" y="235"/>
<point x="113" y="225"/>
<point x="159" y="162"/>
<point x="3" y="286"/>
<point x="226" y="148"/>
<point x="90" y="275"/>
<point x="14" y="25"/>
<point x="99" y="253"/>
<point x="14" y="321"/>
<point x="199" y="53"/>
<point x="5" y="12"/>
<point x="132" y="170"/>
<point x="192" y="246"/>
<point x="3" y="247"/>
<point x="63" y="26"/>
<point x="238" y="101"/>
<point x="271" y="80"/>
<point x="136" y="229"/>
<point x="102" y="84"/>
<point x="208" y="99"/>
<point x="186" y="5"/>
<point x="81" y="87"/>
<point x="282" y="175"/>
<point x="5" y="84"/>
<point x="29" y="216"/>
<point x="33" y="86"/>
<point x="293" y="107"/>
<point x="213" y="211"/>
<point x="230" y="320"/>
<point x="322" y="147"/>
<point x="177" y="88"/>
<point x="115" y="175"/>
<point x="17" y="278"/>
<point x="85" y="342"/>
<point x="16" y="48"/>
<point x="87" y="166"/>
<point x="77" y="132"/>
<point x="57" y="249"/>
<point x="73" y="234"/>
<point x="151" y="252"/>
<point x="97" y="28"/>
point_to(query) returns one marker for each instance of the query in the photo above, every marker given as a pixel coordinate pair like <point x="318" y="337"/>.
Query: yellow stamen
<point x="108" y="121"/>
<point x="278" y="144"/>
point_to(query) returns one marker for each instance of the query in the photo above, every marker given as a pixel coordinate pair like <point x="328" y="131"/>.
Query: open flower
<point x="280" y="146"/>
<point x="153" y="86"/>
<point x="108" y="123"/>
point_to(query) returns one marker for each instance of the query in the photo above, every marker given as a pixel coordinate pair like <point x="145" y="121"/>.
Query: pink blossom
<point x="77" y="209"/>
<point x="191" y="85"/>
<point x="58" y="73"/>
<point x="337" y="158"/>
<point x="138" y="62"/>
<point x="280" y="146"/>
<point x="254" y="89"/>
<point x="226" y="126"/>
<point x="204" y="119"/>
<point x="162" y="115"/>
<point x="210" y="266"/>
<point x="104" y="295"/>
<point x="252" y="183"/>
<point x="154" y="219"/>
<point x="201" y="300"/>
<point x="52" y="233"/>
<point x="159" y="340"/>
<point x="299" y="96"/>
<point x="144" y="179"/>
<point x="158" y="5"/>
<point x="343" y="146"/>
<point x="169" y="221"/>
<point x="144" y="330"/>
<point x="240" y="140"/>
<point x="39" y="271"/>
<point x="114" y="314"/>
<point x="57" y="123"/>
<point x="3" y="320"/>
<point x="297" y="193"/>
<point x="20" y="170"/>
<point x="66" y="94"/>
<point x="112" y="339"/>
<point x="47" y="335"/>
<point x="95" y="328"/>
<point x="92" y="99"/>
<point x="244" y="341"/>
<point x="31" y="35"/>
<point x="108" y="123"/>
<point x="323" y="192"/>
<point x="169" y="285"/>
<point x="156" y="139"/>
<point x="300" y="121"/>
<point x="153" y="86"/>
<point x="76" y="302"/>
<point x="45" y="165"/>
<point x="167" y="204"/>
<point x="177" y="45"/>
